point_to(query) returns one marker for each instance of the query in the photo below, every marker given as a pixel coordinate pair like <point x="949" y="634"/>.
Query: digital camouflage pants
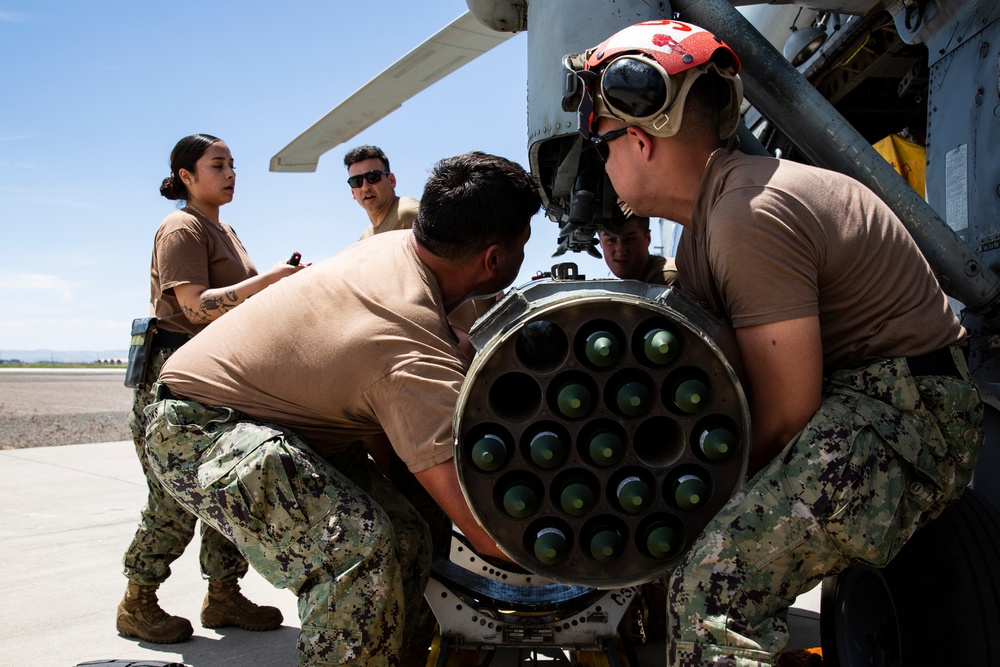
<point x="884" y="454"/>
<point x="333" y="531"/>
<point x="165" y="527"/>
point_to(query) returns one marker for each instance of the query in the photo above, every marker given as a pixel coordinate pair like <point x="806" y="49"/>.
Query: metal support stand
<point x="482" y="608"/>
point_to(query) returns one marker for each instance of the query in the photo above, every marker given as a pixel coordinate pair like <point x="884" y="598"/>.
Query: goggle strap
<point x="586" y="114"/>
<point x="586" y="109"/>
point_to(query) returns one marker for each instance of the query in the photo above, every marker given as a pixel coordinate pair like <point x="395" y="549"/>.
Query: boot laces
<point x="231" y="594"/>
<point x="149" y="606"/>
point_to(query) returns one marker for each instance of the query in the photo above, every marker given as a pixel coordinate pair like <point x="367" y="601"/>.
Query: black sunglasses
<point x="373" y="177"/>
<point x="600" y="143"/>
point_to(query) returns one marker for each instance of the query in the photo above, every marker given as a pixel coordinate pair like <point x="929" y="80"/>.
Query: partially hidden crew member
<point x="258" y="424"/>
<point x="627" y="254"/>
<point x="199" y="271"/>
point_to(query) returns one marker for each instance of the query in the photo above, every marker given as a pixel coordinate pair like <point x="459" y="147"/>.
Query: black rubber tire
<point x="858" y="624"/>
<point x="936" y="604"/>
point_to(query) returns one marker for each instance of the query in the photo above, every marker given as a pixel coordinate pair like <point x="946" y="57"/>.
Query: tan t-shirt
<point x="190" y="249"/>
<point x="337" y="352"/>
<point x="401" y="215"/>
<point x="659" y="270"/>
<point x="774" y="240"/>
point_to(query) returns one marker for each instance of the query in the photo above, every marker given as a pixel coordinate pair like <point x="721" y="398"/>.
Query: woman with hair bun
<point x="200" y="270"/>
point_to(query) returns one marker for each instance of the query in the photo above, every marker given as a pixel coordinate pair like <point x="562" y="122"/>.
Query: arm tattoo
<point x="192" y="315"/>
<point x="213" y="306"/>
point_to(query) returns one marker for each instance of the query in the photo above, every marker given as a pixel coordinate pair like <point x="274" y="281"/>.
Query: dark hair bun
<point x="172" y="189"/>
<point x="185" y="155"/>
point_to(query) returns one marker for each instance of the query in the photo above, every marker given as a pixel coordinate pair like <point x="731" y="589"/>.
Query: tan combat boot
<point x="225" y="606"/>
<point x="140" y="616"/>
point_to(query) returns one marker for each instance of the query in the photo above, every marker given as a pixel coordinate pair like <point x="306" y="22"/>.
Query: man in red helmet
<point x="865" y="421"/>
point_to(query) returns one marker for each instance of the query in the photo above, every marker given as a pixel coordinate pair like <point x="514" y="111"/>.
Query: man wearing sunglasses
<point x="865" y="421"/>
<point x="373" y="186"/>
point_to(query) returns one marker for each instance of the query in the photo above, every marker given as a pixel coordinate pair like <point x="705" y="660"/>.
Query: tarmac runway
<point x="68" y="514"/>
<point x="46" y="407"/>
<point x="60" y="390"/>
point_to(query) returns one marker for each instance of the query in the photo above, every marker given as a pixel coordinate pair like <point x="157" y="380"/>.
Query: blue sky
<point x="95" y="94"/>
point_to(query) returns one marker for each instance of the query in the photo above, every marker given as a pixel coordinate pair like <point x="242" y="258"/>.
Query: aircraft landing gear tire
<point x="936" y="603"/>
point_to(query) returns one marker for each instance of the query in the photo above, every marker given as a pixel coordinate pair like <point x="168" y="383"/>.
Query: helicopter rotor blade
<point x="458" y="43"/>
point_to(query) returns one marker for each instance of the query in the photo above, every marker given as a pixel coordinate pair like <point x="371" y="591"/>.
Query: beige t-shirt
<point x="190" y="249"/>
<point x="337" y="352"/>
<point x="774" y="240"/>
<point x="659" y="270"/>
<point x="401" y="215"/>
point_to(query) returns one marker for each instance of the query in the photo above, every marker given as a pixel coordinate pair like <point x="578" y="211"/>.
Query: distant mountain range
<point x="62" y="356"/>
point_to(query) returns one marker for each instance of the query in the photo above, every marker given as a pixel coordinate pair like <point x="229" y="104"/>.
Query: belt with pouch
<point x="938" y="362"/>
<point x="169" y="339"/>
<point x="161" y="392"/>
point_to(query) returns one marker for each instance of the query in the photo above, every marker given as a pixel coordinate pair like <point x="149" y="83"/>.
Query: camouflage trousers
<point x="884" y="454"/>
<point x="165" y="527"/>
<point x="333" y="531"/>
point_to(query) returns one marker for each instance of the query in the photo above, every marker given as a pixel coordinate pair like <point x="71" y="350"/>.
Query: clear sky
<point x="93" y="96"/>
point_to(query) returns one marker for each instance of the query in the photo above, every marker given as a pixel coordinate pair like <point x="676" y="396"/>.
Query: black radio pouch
<point x="140" y="350"/>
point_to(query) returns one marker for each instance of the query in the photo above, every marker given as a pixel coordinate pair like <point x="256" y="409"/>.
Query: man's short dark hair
<point x="473" y="201"/>
<point x="641" y="221"/>
<point x="618" y="221"/>
<point x="362" y="153"/>
<point x="708" y="96"/>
